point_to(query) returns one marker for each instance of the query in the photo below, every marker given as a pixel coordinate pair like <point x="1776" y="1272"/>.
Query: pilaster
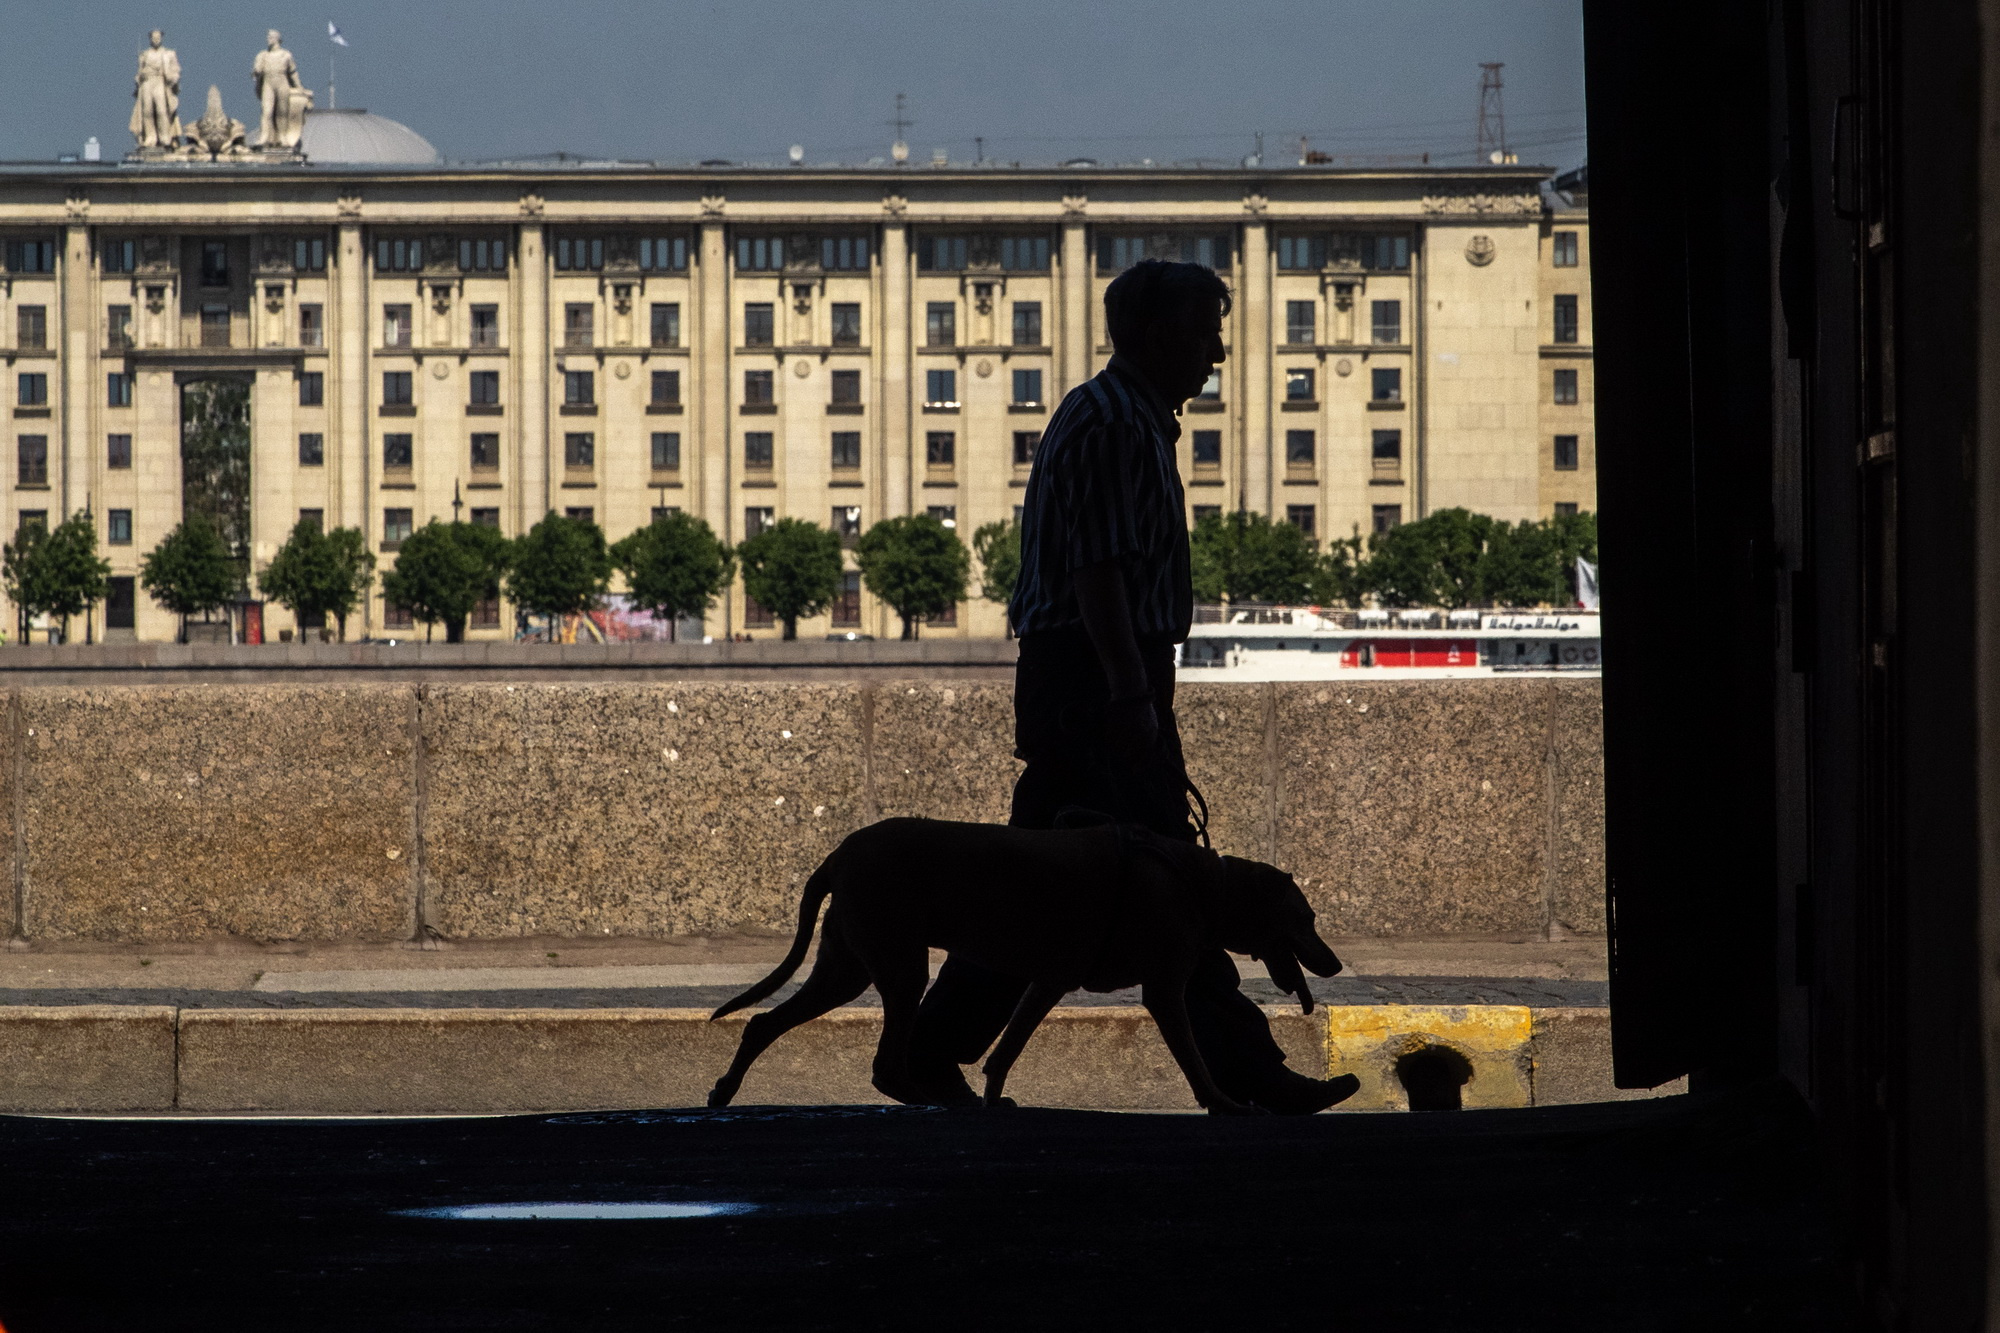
<point x="347" y="436"/>
<point x="1073" y="321"/>
<point x="79" y="404"/>
<point x="896" y="454"/>
<point x="1252" y="354"/>
<point x="710" y="341"/>
<point x="532" y="369"/>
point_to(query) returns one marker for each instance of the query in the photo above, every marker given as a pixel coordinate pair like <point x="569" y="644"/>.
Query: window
<point x="1386" y="453"/>
<point x="1028" y="324"/>
<point x="940" y="448"/>
<point x="760" y="254"/>
<point x="1024" y="254"/>
<point x="483" y="388"/>
<point x="37" y="519"/>
<point x="1301" y="252"/>
<point x="1566" y="453"/>
<point x="117" y="389"/>
<point x="486" y="611"/>
<point x="581" y="513"/>
<point x="1025" y="444"/>
<point x="398" y="452"/>
<point x="579" y="388"/>
<point x="847" y="387"/>
<point x="757" y="518"/>
<point x="1563" y="251"/>
<point x="666" y="324"/>
<point x="757" y="324"/>
<point x="1211" y="388"/>
<point x="121" y="603"/>
<point x="121" y="256"/>
<point x="118" y="327"/>
<point x="758" y="450"/>
<point x="486" y="326"/>
<point x="1208" y="448"/>
<point x="1301" y="320"/>
<point x="118" y="452"/>
<point x="31" y="256"/>
<point x="579" y="450"/>
<point x="1202" y="513"/>
<point x="309" y="254"/>
<point x="945" y="514"/>
<point x="1565" y="509"/>
<point x="31" y="327"/>
<point x="846" y="324"/>
<point x="847" y="253"/>
<point x="312" y="326"/>
<point x="755" y="614"/>
<point x="486" y="518"/>
<point x="1386" y="384"/>
<point x="1565" y="387"/>
<point x="396" y="388"/>
<point x="402" y="254"/>
<point x="1302" y="518"/>
<point x="1387" y="321"/>
<point x="312" y="449"/>
<point x="663" y="253"/>
<point x="759" y="386"/>
<point x="666" y="388"/>
<point x="941" y="254"/>
<point x="1028" y="388"/>
<point x="579" y="324"/>
<point x="847" y="606"/>
<point x="1565" y="319"/>
<point x="1387" y="517"/>
<point x="847" y="523"/>
<point x="118" y="527"/>
<point x="1386" y="252"/>
<point x="579" y="254"/>
<point x="847" y="448"/>
<point x="215" y="263"/>
<point x="31" y="460"/>
<point x="312" y="388"/>
<point x="31" y="390"/>
<point x="315" y="517"/>
<point x="215" y="326"/>
<point x="940" y="388"/>
<point x="941" y="324"/>
<point x="1299" y="385"/>
<point x="666" y="451"/>
<point x="1115" y="254"/>
<point x="485" y="451"/>
<point x="1301" y="447"/>
<point x="482" y="255"/>
<point x="395" y="326"/>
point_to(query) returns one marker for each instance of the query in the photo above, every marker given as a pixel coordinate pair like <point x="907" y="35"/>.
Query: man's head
<point x="271" y="39"/>
<point x="154" y="37"/>
<point x="1167" y="319"/>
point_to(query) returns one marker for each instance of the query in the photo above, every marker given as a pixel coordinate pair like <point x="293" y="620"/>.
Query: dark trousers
<point x="1060" y="696"/>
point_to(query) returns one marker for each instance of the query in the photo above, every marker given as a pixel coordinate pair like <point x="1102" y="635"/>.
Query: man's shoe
<point x="1290" y="1093"/>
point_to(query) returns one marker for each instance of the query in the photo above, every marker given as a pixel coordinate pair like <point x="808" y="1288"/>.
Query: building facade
<point x="840" y="345"/>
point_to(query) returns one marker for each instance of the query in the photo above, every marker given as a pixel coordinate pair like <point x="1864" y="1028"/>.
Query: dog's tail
<point x="817" y="889"/>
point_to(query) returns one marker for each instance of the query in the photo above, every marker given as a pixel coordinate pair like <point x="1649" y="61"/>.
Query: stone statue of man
<point x="156" y="96"/>
<point x="276" y="75"/>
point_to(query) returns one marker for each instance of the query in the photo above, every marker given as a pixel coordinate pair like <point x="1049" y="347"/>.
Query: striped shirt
<point x="1106" y="486"/>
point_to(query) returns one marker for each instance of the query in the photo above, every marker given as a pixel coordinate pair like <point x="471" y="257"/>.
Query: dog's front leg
<point x="1028" y="1015"/>
<point x="1165" y="999"/>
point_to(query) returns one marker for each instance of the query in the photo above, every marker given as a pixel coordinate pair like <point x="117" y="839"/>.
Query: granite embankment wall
<point x="384" y="811"/>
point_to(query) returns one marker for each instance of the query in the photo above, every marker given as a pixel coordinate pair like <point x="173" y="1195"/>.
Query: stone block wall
<point x="356" y="812"/>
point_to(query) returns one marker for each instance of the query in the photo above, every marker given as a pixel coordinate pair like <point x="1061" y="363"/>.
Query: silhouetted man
<point x="1104" y="595"/>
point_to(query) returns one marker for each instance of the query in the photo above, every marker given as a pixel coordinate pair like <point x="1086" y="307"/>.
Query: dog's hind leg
<point x="1028" y="1015"/>
<point x="901" y="971"/>
<point x="838" y="976"/>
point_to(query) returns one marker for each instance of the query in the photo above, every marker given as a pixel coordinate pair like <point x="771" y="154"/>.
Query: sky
<point x="685" y="80"/>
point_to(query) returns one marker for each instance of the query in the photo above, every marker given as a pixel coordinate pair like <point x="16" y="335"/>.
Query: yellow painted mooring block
<point x="1368" y="1040"/>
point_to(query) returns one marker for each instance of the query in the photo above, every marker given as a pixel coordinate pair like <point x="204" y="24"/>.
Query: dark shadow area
<point x="1629" y="1216"/>
<point x="1434" y="1078"/>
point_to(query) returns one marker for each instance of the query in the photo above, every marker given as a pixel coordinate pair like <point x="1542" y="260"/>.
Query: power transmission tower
<point x="900" y="150"/>
<point x="1492" y="145"/>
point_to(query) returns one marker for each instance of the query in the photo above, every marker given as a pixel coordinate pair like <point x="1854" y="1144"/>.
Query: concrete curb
<point x="328" y="1061"/>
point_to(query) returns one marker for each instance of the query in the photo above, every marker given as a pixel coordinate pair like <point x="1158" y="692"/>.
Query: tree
<point x="675" y="566"/>
<point x="915" y="564"/>
<point x="1574" y="535"/>
<point x="1339" y="577"/>
<point x="793" y="569"/>
<point x="443" y="571"/>
<point x="998" y="546"/>
<point x="560" y="568"/>
<point x="1245" y="557"/>
<point x="192" y="571"/>
<point x="1434" y="561"/>
<point x="317" y="574"/>
<point x="1524" y="566"/>
<point x="55" y="573"/>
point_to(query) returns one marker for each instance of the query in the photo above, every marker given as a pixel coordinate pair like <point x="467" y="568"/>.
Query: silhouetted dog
<point x="1100" y="908"/>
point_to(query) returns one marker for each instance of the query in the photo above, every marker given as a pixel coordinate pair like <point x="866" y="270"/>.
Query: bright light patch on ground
<point x="580" y="1212"/>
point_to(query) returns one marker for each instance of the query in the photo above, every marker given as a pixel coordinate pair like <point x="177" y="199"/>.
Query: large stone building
<point x="836" y="344"/>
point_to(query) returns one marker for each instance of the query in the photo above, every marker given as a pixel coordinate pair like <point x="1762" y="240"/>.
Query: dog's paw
<point x="721" y="1095"/>
<point x="1000" y="1104"/>
<point x="1236" y="1108"/>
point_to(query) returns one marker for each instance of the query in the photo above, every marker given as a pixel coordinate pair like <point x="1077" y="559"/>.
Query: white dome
<point x="343" y="136"/>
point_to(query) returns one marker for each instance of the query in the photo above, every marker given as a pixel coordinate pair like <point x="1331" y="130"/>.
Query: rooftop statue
<point x="279" y="93"/>
<point x="156" y="97"/>
<point x="216" y="135"/>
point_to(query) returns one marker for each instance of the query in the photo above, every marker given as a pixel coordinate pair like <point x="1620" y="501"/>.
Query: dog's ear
<point x="1284" y="970"/>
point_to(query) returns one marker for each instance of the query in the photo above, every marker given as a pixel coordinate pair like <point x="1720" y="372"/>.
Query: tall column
<point x="1253" y="372"/>
<point x="892" y="402"/>
<point x="347" y="447"/>
<point x="709" y="344"/>
<point x="1073" y="321"/>
<point x="79" y="352"/>
<point x="532" y="368"/>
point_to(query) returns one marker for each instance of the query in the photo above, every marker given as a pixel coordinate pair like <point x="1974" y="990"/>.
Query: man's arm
<point x="1106" y="610"/>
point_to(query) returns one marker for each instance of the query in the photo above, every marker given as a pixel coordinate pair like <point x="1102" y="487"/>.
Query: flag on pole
<point x="333" y="34"/>
<point x="1586" y="584"/>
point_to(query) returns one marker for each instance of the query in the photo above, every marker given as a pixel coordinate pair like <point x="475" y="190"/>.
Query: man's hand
<point x="1132" y="728"/>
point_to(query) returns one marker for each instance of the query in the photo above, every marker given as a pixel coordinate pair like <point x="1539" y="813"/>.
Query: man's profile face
<point x="1185" y="351"/>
